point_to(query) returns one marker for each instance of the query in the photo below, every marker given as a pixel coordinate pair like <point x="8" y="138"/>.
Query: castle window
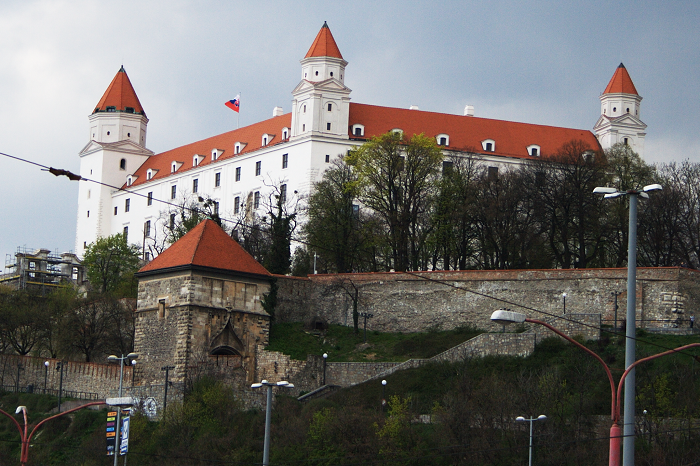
<point x="195" y="161"/>
<point x="330" y="107"/>
<point x="533" y="150"/>
<point x="236" y="204"/>
<point x="147" y="228"/>
<point x="88" y="194"/>
<point x="489" y="145"/>
<point x="493" y="174"/>
<point x="195" y="185"/>
<point x="216" y="208"/>
<point x="358" y="130"/>
<point x="88" y="214"/>
<point x="285" y="133"/>
<point x="447" y="167"/>
<point x="217" y="179"/>
<point x="328" y="158"/>
<point x="122" y="164"/>
<point x="628" y="110"/>
<point x="317" y="73"/>
<point x="149" y="200"/>
<point x="626" y="142"/>
<point x="256" y="200"/>
<point x="111" y="109"/>
<point x="149" y="174"/>
<point x="128" y="135"/>
<point x="442" y="139"/>
<point x="129" y="180"/>
<point x="398" y="131"/>
<point x="108" y="133"/>
<point x="172" y="222"/>
<point x="126" y="233"/>
<point x="129" y="109"/>
<point x="173" y="167"/>
<point x="328" y="126"/>
<point x="303" y="127"/>
<point x="331" y="77"/>
<point x="285" y="160"/>
<point x="304" y="108"/>
<point x="115" y="210"/>
<point x="127" y="205"/>
<point x="147" y="256"/>
<point x="238" y="173"/>
<point x="238" y="148"/>
<point x="614" y="109"/>
<point x="283" y="193"/>
<point x="264" y="140"/>
<point x="258" y="168"/>
<point x="173" y="191"/>
<point x="214" y="154"/>
<point x="161" y="308"/>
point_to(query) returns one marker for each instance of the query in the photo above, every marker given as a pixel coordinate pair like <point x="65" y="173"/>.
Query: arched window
<point x="122" y="164"/>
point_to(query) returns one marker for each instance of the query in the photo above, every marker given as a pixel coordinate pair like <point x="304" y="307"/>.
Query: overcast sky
<point x="536" y="62"/>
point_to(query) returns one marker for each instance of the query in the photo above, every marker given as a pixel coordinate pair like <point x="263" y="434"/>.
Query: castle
<point x="238" y="169"/>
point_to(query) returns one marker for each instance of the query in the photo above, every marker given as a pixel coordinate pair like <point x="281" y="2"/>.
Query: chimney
<point x="413" y="107"/>
<point x="277" y="111"/>
<point x="469" y="110"/>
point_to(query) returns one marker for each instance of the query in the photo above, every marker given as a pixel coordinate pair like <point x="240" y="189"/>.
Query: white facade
<point x="292" y="150"/>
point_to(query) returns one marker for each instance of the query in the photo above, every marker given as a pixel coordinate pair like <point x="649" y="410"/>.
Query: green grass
<point x="342" y="344"/>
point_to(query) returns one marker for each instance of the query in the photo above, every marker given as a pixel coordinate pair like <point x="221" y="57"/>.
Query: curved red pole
<point x="22" y="434"/>
<point x="648" y="358"/>
<point x="615" y="415"/>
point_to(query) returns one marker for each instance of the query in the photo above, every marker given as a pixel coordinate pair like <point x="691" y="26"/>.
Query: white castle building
<point x="237" y="169"/>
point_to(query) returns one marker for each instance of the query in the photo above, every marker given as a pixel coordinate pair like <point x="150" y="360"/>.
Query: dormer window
<point x="442" y="139"/>
<point x="197" y="159"/>
<point x="129" y="180"/>
<point x="534" y="150"/>
<point x="358" y="130"/>
<point x="216" y="153"/>
<point x="175" y="166"/>
<point x="111" y="109"/>
<point x="489" y="145"/>
<point x="238" y="147"/>
<point x="149" y="174"/>
<point x="285" y="133"/>
<point x="267" y="138"/>
<point x="398" y="131"/>
<point x="129" y="109"/>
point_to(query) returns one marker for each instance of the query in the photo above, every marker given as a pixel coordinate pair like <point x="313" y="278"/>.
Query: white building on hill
<point x="291" y="151"/>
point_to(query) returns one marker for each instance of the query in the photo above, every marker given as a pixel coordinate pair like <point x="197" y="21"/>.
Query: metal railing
<point x="42" y="391"/>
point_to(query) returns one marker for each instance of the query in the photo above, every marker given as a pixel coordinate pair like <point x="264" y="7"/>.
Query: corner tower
<point x="321" y="101"/>
<point x="620" y="114"/>
<point x="116" y="148"/>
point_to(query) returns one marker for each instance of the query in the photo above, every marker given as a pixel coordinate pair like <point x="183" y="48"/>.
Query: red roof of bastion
<point x="206" y="245"/>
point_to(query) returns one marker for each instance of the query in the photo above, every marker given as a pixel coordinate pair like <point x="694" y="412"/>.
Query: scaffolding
<point x="40" y="268"/>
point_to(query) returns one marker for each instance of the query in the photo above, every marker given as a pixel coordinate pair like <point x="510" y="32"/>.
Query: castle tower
<point x="321" y="101"/>
<point x="199" y="307"/>
<point x="116" y="149"/>
<point x="620" y="114"/>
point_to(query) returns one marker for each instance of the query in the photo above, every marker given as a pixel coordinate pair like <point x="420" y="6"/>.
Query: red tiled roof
<point x="120" y="94"/>
<point x="621" y="82"/>
<point x="249" y="135"/>
<point x="324" y="45"/>
<point x="465" y="132"/>
<point x="207" y="245"/>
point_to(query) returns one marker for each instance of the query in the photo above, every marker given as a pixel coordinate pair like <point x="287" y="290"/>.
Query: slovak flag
<point x="234" y="104"/>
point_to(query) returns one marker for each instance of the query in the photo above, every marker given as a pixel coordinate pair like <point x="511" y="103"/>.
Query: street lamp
<point x="366" y="315"/>
<point x="133" y="372"/>
<point x="46" y="374"/>
<point x="509" y="317"/>
<point x="383" y="394"/>
<point x="113" y="358"/>
<point x="59" y="367"/>
<point x="616" y="294"/>
<point x="541" y="417"/>
<point x="25" y="439"/>
<point x="563" y="295"/>
<point x="631" y="330"/>
<point x="268" y="413"/>
<point x="325" y="358"/>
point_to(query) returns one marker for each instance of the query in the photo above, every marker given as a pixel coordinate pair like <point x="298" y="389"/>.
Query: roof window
<point x="129" y="109"/>
<point x="358" y="130"/>
<point x="489" y="145"/>
<point x="285" y="133"/>
<point x="267" y="138"/>
<point x="443" y="139"/>
<point x="239" y="146"/>
<point x="111" y="109"/>
<point x="129" y="180"/>
<point x="534" y="150"/>
<point x="216" y="153"/>
<point x="398" y="131"/>
<point x="149" y="174"/>
<point x="197" y="159"/>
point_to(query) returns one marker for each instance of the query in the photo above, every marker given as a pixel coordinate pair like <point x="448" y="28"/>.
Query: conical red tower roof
<point x="121" y="95"/>
<point x="324" y="45"/>
<point x="207" y="246"/>
<point x="621" y="83"/>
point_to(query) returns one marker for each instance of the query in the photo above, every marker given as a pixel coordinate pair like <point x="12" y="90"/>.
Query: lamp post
<point x="59" y="367"/>
<point x="19" y="368"/>
<point x="563" y="295"/>
<point x="167" y="370"/>
<point x="631" y="330"/>
<point x="268" y="413"/>
<point x="541" y="417"/>
<point x="616" y="294"/>
<point x="508" y="317"/>
<point x="133" y="372"/>
<point x="383" y="394"/>
<point x="46" y="374"/>
<point x="113" y="358"/>
<point x="366" y="315"/>
<point x="25" y="439"/>
<point x="325" y="357"/>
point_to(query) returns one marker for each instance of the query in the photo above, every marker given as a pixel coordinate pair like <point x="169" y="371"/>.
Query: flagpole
<point x="238" y="113"/>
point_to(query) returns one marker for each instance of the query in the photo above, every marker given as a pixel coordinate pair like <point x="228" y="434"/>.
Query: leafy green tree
<point x="397" y="179"/>
<point x="111" y="263"/>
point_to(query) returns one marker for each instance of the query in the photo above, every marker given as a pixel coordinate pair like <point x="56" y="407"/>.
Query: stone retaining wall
<point x="410" y="302"/>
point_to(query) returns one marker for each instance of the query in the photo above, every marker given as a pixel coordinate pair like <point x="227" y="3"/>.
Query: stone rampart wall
<point x="409" y="302"/>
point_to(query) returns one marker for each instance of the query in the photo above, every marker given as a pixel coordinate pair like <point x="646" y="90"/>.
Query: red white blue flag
<point x="234" y="104"/>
